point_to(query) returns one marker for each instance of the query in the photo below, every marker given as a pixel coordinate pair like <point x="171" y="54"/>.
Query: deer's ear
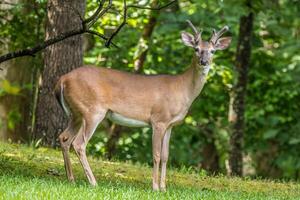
<point x="222" y="43"/>
<point x="188" y="39"/>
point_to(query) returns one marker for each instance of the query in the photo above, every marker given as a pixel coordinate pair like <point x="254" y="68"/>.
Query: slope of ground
<point x="27" y="173"/>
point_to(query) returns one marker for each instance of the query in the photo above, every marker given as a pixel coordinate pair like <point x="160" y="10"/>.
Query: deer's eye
<point x="212" y="51"/>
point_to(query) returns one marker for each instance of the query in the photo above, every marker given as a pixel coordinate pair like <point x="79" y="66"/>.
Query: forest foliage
<point x="272" y="139"/>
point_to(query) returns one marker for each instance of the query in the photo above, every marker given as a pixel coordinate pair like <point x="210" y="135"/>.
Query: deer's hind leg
<point x="89" y="125"/>
<point x="66" y="138"/>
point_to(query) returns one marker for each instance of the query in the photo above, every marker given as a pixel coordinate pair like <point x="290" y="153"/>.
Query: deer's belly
<point x="125" y="121"/>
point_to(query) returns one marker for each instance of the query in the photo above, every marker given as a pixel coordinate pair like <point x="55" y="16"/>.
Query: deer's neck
<point x="195" y="78"/>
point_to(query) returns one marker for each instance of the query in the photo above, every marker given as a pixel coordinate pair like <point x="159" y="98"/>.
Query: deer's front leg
<point x="158" y="133"/>
<point x="164" y="159"/>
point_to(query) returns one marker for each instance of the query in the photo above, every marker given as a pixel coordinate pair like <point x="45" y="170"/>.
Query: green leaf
<point x="10" y="89"/>
<point x="271" y="133"/>
<point x="294" y="141"/>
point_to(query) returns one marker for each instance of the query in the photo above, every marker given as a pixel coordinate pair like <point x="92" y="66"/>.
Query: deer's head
<point x="204" y="50"/>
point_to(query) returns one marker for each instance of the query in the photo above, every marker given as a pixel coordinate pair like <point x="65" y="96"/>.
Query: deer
<point x="89" y="94"/>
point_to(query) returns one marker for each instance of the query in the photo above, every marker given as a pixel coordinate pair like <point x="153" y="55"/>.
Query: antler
<point x="197" y="33"/>
<point x="217" y="35"/>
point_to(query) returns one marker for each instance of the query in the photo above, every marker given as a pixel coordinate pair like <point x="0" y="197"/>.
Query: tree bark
<point x="142" y="48"/>
<point x="210" y="158"/>
<point x="15" y="110"/>
<point x="111" y="145"/>
<point x="59" y="59"/>
<point x="239" y="94"/>
<point x="210" y="153"/>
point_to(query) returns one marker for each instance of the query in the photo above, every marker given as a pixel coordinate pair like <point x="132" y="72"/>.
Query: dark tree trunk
<point x="111" y="145"/>
<point x="265" y="165"/>
<point x="146" y="36"/>
<point x="239" y="94"/>
<point x="210" y="158"/>
<point x="210" y="154"/>
<point x="15" y="110"/>
<point x="59" y="59"/>
<point x="142" y="51"/>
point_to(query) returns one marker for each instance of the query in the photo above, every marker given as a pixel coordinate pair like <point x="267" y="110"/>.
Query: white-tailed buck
<point x="89" y="94"/>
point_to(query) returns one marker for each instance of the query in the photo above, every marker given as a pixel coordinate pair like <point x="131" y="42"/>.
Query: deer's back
<point x="126" y="93"/>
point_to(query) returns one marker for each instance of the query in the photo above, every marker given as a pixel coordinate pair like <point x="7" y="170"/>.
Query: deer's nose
<point x="204" y="62"/>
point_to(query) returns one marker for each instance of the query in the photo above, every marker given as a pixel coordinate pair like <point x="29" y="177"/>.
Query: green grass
<point x="27" y="173"/>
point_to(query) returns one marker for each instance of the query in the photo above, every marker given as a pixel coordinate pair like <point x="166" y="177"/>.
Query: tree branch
<point x="151" y="8"/>
<point x="86" y="25"/>
<point x="120" y="27"/>
<point x="96" y="13"/>
<point x="124" y="22"/>
<point x="101" y="36"/>
<point x="100" y="14"/>
<point x="39" y="47"/>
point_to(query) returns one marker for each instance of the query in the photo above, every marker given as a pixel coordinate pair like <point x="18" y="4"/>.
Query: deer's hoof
<point x="71" y="179"/>
<point x="163" y="189"/>
<point x="155" y="187"/>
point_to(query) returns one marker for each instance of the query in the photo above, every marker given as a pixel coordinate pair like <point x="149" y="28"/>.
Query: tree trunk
<point x="15" y="109"/>
<point x="59" y="59"/>
<point x="111" y="145"/>
<point x="210" y="158"/>
<point x="143" y="45"/>
<point x="239" y="94"/>
<point x="210" y="153"/>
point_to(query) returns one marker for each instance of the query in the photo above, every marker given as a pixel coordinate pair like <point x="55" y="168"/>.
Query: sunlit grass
<point x="27" y="173"/>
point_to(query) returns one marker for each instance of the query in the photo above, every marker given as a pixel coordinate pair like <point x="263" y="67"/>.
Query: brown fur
<point x="161" y="100"/>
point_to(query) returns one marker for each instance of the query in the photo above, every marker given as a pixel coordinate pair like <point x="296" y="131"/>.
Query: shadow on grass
<point x="48" y="171"/>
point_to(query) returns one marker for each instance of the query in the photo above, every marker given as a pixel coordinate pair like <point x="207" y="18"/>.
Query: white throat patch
<point x="206" y="69"/>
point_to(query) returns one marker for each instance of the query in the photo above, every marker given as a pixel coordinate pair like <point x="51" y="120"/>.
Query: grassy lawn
<point x="26" y="173"/>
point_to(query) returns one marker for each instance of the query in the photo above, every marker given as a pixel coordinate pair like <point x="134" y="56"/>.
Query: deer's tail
<point x="59" y="94"/>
